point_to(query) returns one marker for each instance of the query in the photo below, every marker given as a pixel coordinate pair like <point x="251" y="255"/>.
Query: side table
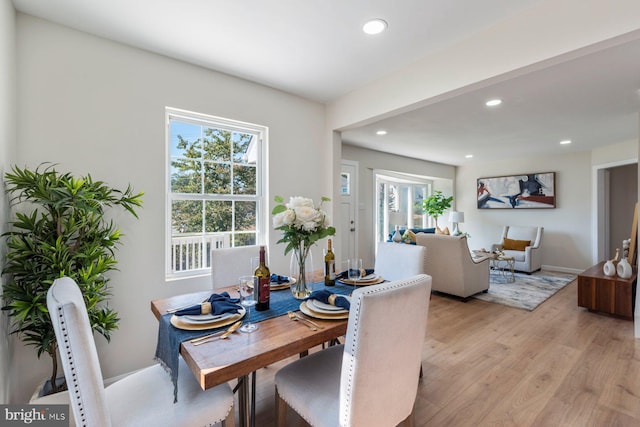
<point x="607" y="294"/>
<point x="504" y="265"/>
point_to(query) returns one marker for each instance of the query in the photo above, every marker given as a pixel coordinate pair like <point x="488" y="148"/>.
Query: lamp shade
<point x="455" y="216"/>
<point x="398" y="218"/>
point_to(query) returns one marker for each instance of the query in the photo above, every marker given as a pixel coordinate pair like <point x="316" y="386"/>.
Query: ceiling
<point x="316" y="49"/>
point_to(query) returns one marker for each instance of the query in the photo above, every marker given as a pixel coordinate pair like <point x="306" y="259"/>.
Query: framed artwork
<point x="526" y="191"/>
<point x="345" y="183"/>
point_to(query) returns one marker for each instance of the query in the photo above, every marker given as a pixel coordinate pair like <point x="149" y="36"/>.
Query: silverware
<point x="224" y="336"/>
<point x="297" y="318"/>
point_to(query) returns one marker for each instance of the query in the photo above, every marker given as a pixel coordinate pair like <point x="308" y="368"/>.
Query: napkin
<point x="215" y="305"/>
<point x="345" y="274"/>
<point x="279" y="279"/>
<point x="326" y="297"/>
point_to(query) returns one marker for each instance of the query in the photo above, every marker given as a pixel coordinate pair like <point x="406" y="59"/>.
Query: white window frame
<point x="261" y="136"/>
<point x="396" y="177"/>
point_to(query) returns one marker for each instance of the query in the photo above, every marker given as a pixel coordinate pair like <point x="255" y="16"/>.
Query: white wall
<point x="368" y="161"/>
<point x="7" y="146"/>
<point x="568" y="236"/>
<point x="95" y="106"/>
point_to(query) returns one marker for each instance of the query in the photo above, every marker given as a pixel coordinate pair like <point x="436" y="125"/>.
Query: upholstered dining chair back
<point x="395" y="261"/>
<point x="145" y="397"/>
<point x="228" y="264"/>
<point x="78" y="354"/>
<point x="372" y="379"/>
<point x="383" y="352"/>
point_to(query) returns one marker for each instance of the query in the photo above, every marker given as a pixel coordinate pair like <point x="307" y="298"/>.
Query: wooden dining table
<point x="242" y="354"/>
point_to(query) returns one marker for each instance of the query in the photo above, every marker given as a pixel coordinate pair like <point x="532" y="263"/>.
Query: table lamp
<point x="455" y="218"/>
<point x="397" y="219"/>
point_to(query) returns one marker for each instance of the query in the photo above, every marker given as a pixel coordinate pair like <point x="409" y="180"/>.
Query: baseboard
<point x="562" y="269"/>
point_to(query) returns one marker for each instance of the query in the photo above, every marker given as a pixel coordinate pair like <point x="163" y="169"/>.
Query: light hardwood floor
<point x="490" y="365"/>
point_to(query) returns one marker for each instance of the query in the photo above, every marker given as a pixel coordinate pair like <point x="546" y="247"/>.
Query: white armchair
<point x="450" y="264"/>
<point x="527" y="256"/>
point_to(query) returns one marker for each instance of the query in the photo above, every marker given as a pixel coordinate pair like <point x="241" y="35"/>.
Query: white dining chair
<point x="354" y="384"/>
<point x="395" y="261"/>
<point x="144" y="398"/>
<point x="228" y="264"/>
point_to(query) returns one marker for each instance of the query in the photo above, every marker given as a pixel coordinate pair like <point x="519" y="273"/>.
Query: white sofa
<point x="450" y="264"/>
<point x="530" y="259"/>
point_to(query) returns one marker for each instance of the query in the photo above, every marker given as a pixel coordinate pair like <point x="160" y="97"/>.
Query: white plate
<point x="277" y="286"/>
<point x="181" y="323"/>
<point x="206" y="317"/>
<point x="334" y="315"/>
<point x="324" y="307"/>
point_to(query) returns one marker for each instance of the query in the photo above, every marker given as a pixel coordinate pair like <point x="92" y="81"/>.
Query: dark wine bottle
<point x="264" y="283"/>
<point x="329" y="266"/>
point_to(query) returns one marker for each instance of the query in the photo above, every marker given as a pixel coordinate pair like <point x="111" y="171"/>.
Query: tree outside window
<point x="214" y="189"/>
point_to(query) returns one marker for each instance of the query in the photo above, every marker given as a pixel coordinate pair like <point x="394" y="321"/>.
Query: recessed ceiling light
<point x="493" y="102"/>
<point x="381" y="132"/>
<point x="374" y="26"/>
<point x="565" y="142"/>
<point x="468" y="156"/>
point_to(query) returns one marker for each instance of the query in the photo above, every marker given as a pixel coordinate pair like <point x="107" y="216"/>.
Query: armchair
<point x="450" y="264"/>
<point x="524" y="244"/>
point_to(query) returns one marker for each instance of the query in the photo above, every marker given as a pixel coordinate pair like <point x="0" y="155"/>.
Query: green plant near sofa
<point x="59" y="230"/>
<point x="436" y="204"/>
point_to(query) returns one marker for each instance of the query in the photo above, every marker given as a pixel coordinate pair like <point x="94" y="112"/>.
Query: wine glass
<point x="247" y="289"/>
<point x="355" y="271"/>
<point x="255" y="262"/>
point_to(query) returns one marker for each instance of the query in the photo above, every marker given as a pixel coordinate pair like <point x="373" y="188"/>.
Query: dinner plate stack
<point x="321" y="310"/>
<point x="206" y="321"/>
<point x="275" y="286"/>
<point x="370" y="279"/>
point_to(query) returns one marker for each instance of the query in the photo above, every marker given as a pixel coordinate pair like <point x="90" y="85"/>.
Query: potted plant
<point x="59" y="230"/>
<point x="436" y="204"/>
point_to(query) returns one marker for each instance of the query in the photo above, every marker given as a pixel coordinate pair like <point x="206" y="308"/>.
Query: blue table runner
<point x="170" y="337"/>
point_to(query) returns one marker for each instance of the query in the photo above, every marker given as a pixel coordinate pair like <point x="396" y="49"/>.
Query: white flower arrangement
<point x="301" y="222"/>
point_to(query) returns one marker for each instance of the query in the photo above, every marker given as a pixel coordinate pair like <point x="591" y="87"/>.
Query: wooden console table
<point x="607" y="294"/>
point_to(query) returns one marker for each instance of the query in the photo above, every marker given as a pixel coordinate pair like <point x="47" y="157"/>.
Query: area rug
<point x="528" y="291"/>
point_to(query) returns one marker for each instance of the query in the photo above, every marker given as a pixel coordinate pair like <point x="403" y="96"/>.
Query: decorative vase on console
<point x="624" y="268"/>
<point x="609" y="268"/>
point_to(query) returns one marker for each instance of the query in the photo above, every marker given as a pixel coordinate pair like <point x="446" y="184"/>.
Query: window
<point x="215" y="188"/>
<point x="399" y="202"/>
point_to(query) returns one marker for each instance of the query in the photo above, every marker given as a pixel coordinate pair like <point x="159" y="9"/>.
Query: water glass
<point x="247" y="289"/>
<point x="354" y="270"/>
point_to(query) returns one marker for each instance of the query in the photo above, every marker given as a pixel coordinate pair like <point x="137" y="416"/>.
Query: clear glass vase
<point x="301" y="269"/>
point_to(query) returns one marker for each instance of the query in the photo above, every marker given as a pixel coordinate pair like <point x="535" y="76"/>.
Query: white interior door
<point x="348" y="230"/>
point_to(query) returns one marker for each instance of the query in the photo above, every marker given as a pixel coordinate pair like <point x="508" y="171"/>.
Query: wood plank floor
<point x="490" y="365"/>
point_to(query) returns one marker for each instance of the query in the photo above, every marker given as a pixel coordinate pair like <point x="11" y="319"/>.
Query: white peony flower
<point x="299" y="202"/>
<point x="306" y="215"/>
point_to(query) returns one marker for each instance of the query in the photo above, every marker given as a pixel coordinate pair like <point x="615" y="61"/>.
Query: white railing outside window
<point x="193" y="252"/>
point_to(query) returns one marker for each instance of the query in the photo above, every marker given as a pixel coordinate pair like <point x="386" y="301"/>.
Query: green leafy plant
<point x="59" y="230"/>
<point x="436" y="204"/>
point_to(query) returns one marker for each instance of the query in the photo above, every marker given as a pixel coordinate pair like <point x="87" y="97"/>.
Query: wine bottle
<point x="264" y="283"/>
<point x="329" y="266"/>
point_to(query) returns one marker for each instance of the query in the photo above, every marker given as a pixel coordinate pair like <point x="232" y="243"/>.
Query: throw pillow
<point x="515" y="245"/>
<point x="442" y="231"/>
